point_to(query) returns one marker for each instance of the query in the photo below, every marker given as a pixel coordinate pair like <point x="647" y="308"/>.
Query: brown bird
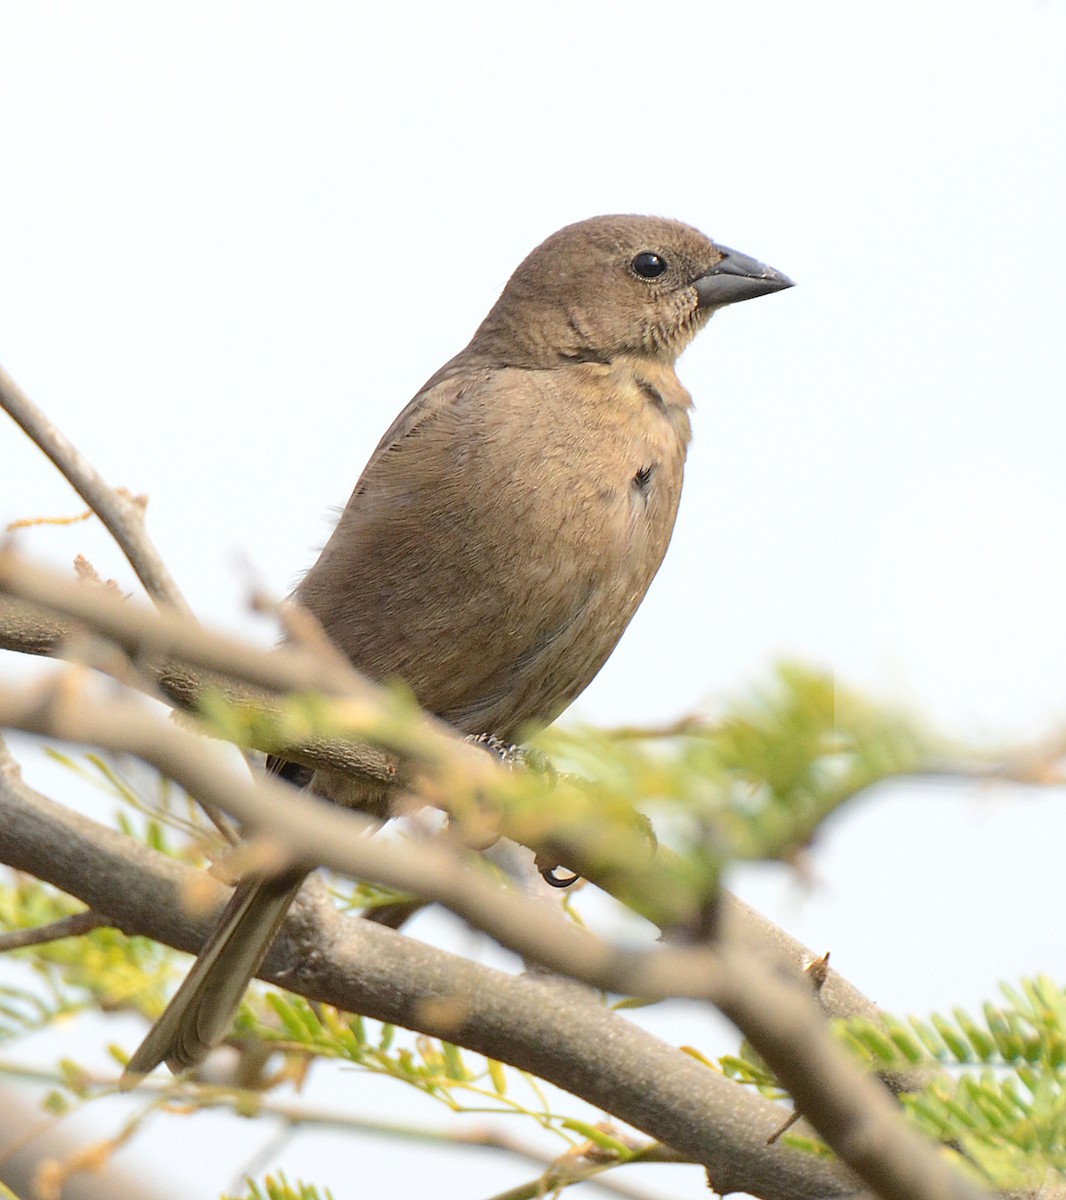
<point x="506" y="527"/>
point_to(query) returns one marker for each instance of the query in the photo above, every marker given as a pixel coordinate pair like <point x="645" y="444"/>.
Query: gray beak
<point x="738" y="277"/>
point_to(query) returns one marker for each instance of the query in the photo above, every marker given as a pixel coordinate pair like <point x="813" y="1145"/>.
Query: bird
<point x="504" y="530"/>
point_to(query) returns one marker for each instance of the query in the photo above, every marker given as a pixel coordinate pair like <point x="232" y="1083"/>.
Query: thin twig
<point x="555" y="1178"/>
<point x="571" y="1169"/>
<point x="73" y="926"/>
<point x="121" y="514"/>
<point x="298" y="1116"/>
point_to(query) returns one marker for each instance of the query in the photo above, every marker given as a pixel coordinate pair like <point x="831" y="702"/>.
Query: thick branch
<point x="121" y="515"/>
<point x="27" y="629"/>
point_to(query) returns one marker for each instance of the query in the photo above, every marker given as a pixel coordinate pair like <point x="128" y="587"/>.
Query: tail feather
<point x="199" y="1015"/>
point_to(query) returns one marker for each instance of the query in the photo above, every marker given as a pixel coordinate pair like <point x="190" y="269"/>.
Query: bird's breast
<point x="611" y="454"/>
<point x="592" y="499"/>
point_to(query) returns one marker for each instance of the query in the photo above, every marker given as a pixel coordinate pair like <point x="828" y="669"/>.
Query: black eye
<point x="648" y="265"/>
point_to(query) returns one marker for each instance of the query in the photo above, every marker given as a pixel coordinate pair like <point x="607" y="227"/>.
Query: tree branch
<point x="73" y="926"/>
<point x="444" y="770"/>
<point x="566" y="1171"/>
<point x="554" y="1029"/>
<point x="121" y="515"/>
<point x="854" y="1114"/>
<point x="294" y="668"/>
<point x="27" y="629"/>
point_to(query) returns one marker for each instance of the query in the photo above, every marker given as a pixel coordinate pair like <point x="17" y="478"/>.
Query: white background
<point x="236" y="237"/>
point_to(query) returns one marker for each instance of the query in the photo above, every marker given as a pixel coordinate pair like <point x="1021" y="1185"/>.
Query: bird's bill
<point x="738" y="277"/>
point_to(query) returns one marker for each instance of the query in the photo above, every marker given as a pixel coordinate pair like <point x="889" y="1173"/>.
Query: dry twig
<point x="121" y="514"/>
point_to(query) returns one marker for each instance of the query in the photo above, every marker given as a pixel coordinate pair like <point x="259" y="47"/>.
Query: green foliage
<point x="993" y="1090"/>
<point x="274" y="723"/>
<point x="754" y="784"/>
<point x="1000" y="1098"/>
<point x="748" y="1068"/>
<point x="759" y="781"/>
<point x="463" y="1081"/>
<point x="24" y="1011"/>
<point x="102" y="968"/>
<point x="277" y="1187"/>
<point x="359" y="896"/>
<point x="146" y="815"/>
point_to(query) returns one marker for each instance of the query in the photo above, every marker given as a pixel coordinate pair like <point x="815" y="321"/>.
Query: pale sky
<point x="235" y="238"/>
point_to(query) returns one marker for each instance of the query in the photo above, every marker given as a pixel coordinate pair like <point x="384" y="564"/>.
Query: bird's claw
<point x="514" y="756"/>
<point x="548" y="872"/>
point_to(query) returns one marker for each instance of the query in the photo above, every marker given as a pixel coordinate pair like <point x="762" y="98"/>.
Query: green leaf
<point x="604" y="1141"/>
<point x="952" y="1039"/>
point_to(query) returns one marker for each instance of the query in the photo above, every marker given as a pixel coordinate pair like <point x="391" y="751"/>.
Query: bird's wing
<point x="428" y="576"/>
<point x="436" y="395"/>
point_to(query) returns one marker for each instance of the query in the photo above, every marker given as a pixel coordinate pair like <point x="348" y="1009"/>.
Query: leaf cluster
<point x="757" y="782"/>
<point x="1000" y="1103"/>
<point x="103" y="968"/>
<point x="277" y="1187"/>
<point x="461" y="1080"/>
<point x="996" y="1084"/>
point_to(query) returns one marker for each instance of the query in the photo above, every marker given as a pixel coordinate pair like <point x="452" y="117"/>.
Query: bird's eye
<point x="648" y="265"/>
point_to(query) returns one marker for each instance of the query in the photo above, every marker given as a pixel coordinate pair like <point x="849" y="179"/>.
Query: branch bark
<point x="73" y="926"/>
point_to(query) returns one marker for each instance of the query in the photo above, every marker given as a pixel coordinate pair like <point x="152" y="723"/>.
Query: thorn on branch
<point x="87" y="573"/>
<point x="793" y="1118"/>
<point x="818" y="972"/>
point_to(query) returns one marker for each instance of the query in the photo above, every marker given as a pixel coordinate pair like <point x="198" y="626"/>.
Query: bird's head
<point x="617" y="285"/>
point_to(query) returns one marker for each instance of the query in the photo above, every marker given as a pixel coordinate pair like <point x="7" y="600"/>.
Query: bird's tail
<point x="199" y="1015"/>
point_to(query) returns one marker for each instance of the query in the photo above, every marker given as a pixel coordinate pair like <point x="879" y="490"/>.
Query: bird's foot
<point x="514" y="756"/>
